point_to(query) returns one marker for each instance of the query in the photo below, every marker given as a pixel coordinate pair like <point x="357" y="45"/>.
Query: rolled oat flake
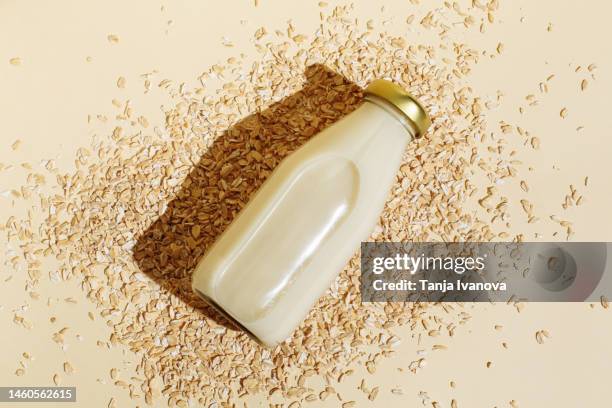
<point x="284" y="249"/>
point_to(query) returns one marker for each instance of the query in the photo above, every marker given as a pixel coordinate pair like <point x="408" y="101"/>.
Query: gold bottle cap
<point x="403" y="101"/>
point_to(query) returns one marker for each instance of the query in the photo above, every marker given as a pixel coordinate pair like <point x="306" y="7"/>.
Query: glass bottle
<point x="284" y="249"/>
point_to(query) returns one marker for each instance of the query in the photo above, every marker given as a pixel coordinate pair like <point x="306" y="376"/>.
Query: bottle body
<point x="295" y="235"/>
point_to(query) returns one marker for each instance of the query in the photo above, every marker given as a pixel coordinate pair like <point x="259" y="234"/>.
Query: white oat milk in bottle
<point x="298" y="231"/>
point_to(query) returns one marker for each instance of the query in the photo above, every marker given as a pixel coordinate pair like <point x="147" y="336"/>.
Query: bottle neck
<point x="393" y="111"/>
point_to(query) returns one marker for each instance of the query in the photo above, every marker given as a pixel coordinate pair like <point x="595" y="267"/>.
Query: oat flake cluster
<point x="144" y="205"/>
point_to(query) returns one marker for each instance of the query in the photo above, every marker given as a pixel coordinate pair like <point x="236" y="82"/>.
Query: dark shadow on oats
<point x="228" y="174"/>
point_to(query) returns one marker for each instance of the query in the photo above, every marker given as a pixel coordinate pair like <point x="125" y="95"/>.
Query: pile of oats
<point x="143" y="205"/>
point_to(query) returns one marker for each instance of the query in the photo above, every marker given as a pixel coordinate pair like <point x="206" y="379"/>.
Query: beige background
<point x="45" y="102"/>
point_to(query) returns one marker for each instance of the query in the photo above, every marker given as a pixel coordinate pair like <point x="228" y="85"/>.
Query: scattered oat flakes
<point x="68" y="369"/>
<point x="541" y="335"/>
<point x="150" y="213"/>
